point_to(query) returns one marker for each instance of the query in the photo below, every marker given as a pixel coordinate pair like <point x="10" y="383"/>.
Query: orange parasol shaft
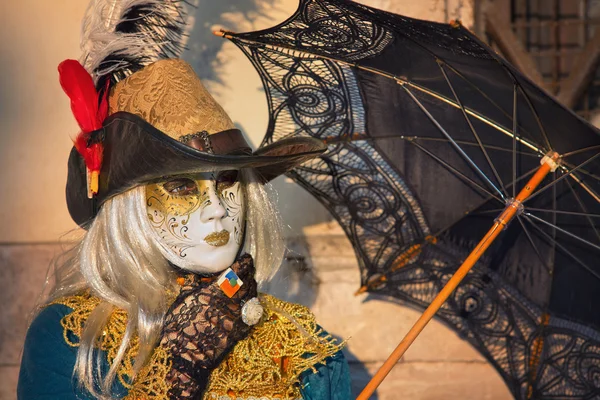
<point x="549" y="163"/>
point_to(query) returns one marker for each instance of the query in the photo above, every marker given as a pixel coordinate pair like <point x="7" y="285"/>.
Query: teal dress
<point x="48" y="362"/>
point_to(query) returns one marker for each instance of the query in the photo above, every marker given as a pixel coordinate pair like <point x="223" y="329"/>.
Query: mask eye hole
<point x="226" y="179"/>
<point x="181" y="187"/>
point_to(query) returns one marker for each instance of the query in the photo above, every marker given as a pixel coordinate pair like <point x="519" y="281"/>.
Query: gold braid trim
<point x="150" y="382"/>
<point x="267" y="365"/>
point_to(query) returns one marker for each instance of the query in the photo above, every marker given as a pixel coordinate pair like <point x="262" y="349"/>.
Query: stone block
<point x="22" y="275"/>
<point x="9" y="377"/>
<point x="375" y="326"/>
<point x="433" y="381"/>
<point x="333" y="262"/>
<point x="328" y="245"/>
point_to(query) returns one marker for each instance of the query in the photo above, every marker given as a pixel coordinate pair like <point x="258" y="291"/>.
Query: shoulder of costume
<point x="150" y="379"/>
<point x="49" y="357"/>
<point x="45" y="327"/>
<point x="284" y="345"/>
<point x="46" y="361"/>
<point x="49" y="321"/>
<point x="76" y="308"/>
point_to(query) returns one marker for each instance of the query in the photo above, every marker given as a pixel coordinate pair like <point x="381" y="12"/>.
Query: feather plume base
<point x="120" y="37"/>
<point x="90" y="109"/>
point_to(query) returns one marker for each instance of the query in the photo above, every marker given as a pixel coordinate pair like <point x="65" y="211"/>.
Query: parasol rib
<point x="475" y="114"/>
<point x="456" y="171"/>
<point x="453" y="142"/>
<point x="477" y="138"/>
<point x="582" y="206"/>
<point x="562" y="230"/>
<point x="515" y="80"/>
<point x="532" y="108"/>
<point x="362" y="137"/>
<point x="578" y="214"/>
<point x="492" y="102"/>
<point x="584" y="265"/>
<point x="535" y="248"/>
<point x="578" y="151"/>
<point x="578" y="180"/>
<point x="569" y="173"/>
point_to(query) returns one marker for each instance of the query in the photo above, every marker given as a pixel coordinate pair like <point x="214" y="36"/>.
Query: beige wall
<point x="35" y="120"/>
<point x="36" y="123"/>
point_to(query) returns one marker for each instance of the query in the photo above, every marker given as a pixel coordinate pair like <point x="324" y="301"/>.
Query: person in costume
<point x="159" y="299"/>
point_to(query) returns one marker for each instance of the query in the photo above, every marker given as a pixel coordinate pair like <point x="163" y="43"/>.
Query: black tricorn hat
<point x="162" y="122"/>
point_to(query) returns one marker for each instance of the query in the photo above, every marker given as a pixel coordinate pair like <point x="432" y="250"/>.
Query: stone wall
<point x="22" y="274"/>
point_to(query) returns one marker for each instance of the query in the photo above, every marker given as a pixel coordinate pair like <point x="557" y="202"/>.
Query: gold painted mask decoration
<point x="199" y="219"/>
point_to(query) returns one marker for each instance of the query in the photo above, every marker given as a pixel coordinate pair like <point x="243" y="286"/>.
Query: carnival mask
<point x="199" y="219"/>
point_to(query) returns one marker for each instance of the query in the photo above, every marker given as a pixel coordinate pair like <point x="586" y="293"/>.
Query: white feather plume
<point x="159" y="31"/>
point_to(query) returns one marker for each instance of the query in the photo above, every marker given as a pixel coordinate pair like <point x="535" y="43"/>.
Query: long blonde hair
<point x="123" y="266"/>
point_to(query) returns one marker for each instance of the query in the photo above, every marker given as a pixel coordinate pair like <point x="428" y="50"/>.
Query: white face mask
<point x="199" y="219"/>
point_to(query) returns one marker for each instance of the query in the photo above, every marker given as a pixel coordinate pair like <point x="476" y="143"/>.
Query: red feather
<point x="89" y="110"/>
<point x="79" y="86"/>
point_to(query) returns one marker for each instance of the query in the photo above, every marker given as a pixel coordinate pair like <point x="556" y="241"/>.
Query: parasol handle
<point x="513" y="208"/>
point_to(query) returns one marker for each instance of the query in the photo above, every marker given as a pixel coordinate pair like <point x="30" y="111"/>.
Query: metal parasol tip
<point x="222" y="33"/>
<point x="362" y="290"/>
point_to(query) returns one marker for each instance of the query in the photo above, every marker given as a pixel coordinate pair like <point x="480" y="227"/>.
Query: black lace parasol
<point x="431" y="137"/>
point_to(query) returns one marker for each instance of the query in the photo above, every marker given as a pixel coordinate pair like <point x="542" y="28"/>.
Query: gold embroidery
<point x="150" y="382"/>
<point x="169" y="95"/>
<point x="266" y="365"/>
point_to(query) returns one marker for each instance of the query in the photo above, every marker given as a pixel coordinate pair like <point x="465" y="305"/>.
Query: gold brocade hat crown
<point x="163" y="122"/>
<point x="169" y="95"/>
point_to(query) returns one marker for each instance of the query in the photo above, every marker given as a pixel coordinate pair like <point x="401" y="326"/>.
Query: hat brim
<point x="137" y="153"/>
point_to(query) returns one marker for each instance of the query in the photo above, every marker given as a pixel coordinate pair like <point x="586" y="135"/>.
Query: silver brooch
<point x="252" y="312"/>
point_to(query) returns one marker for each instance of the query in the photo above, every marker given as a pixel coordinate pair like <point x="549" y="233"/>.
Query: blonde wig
<point x="124" y="265"/>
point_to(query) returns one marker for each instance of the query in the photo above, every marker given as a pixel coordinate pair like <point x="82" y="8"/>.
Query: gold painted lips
<point x="217" y="239"/>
